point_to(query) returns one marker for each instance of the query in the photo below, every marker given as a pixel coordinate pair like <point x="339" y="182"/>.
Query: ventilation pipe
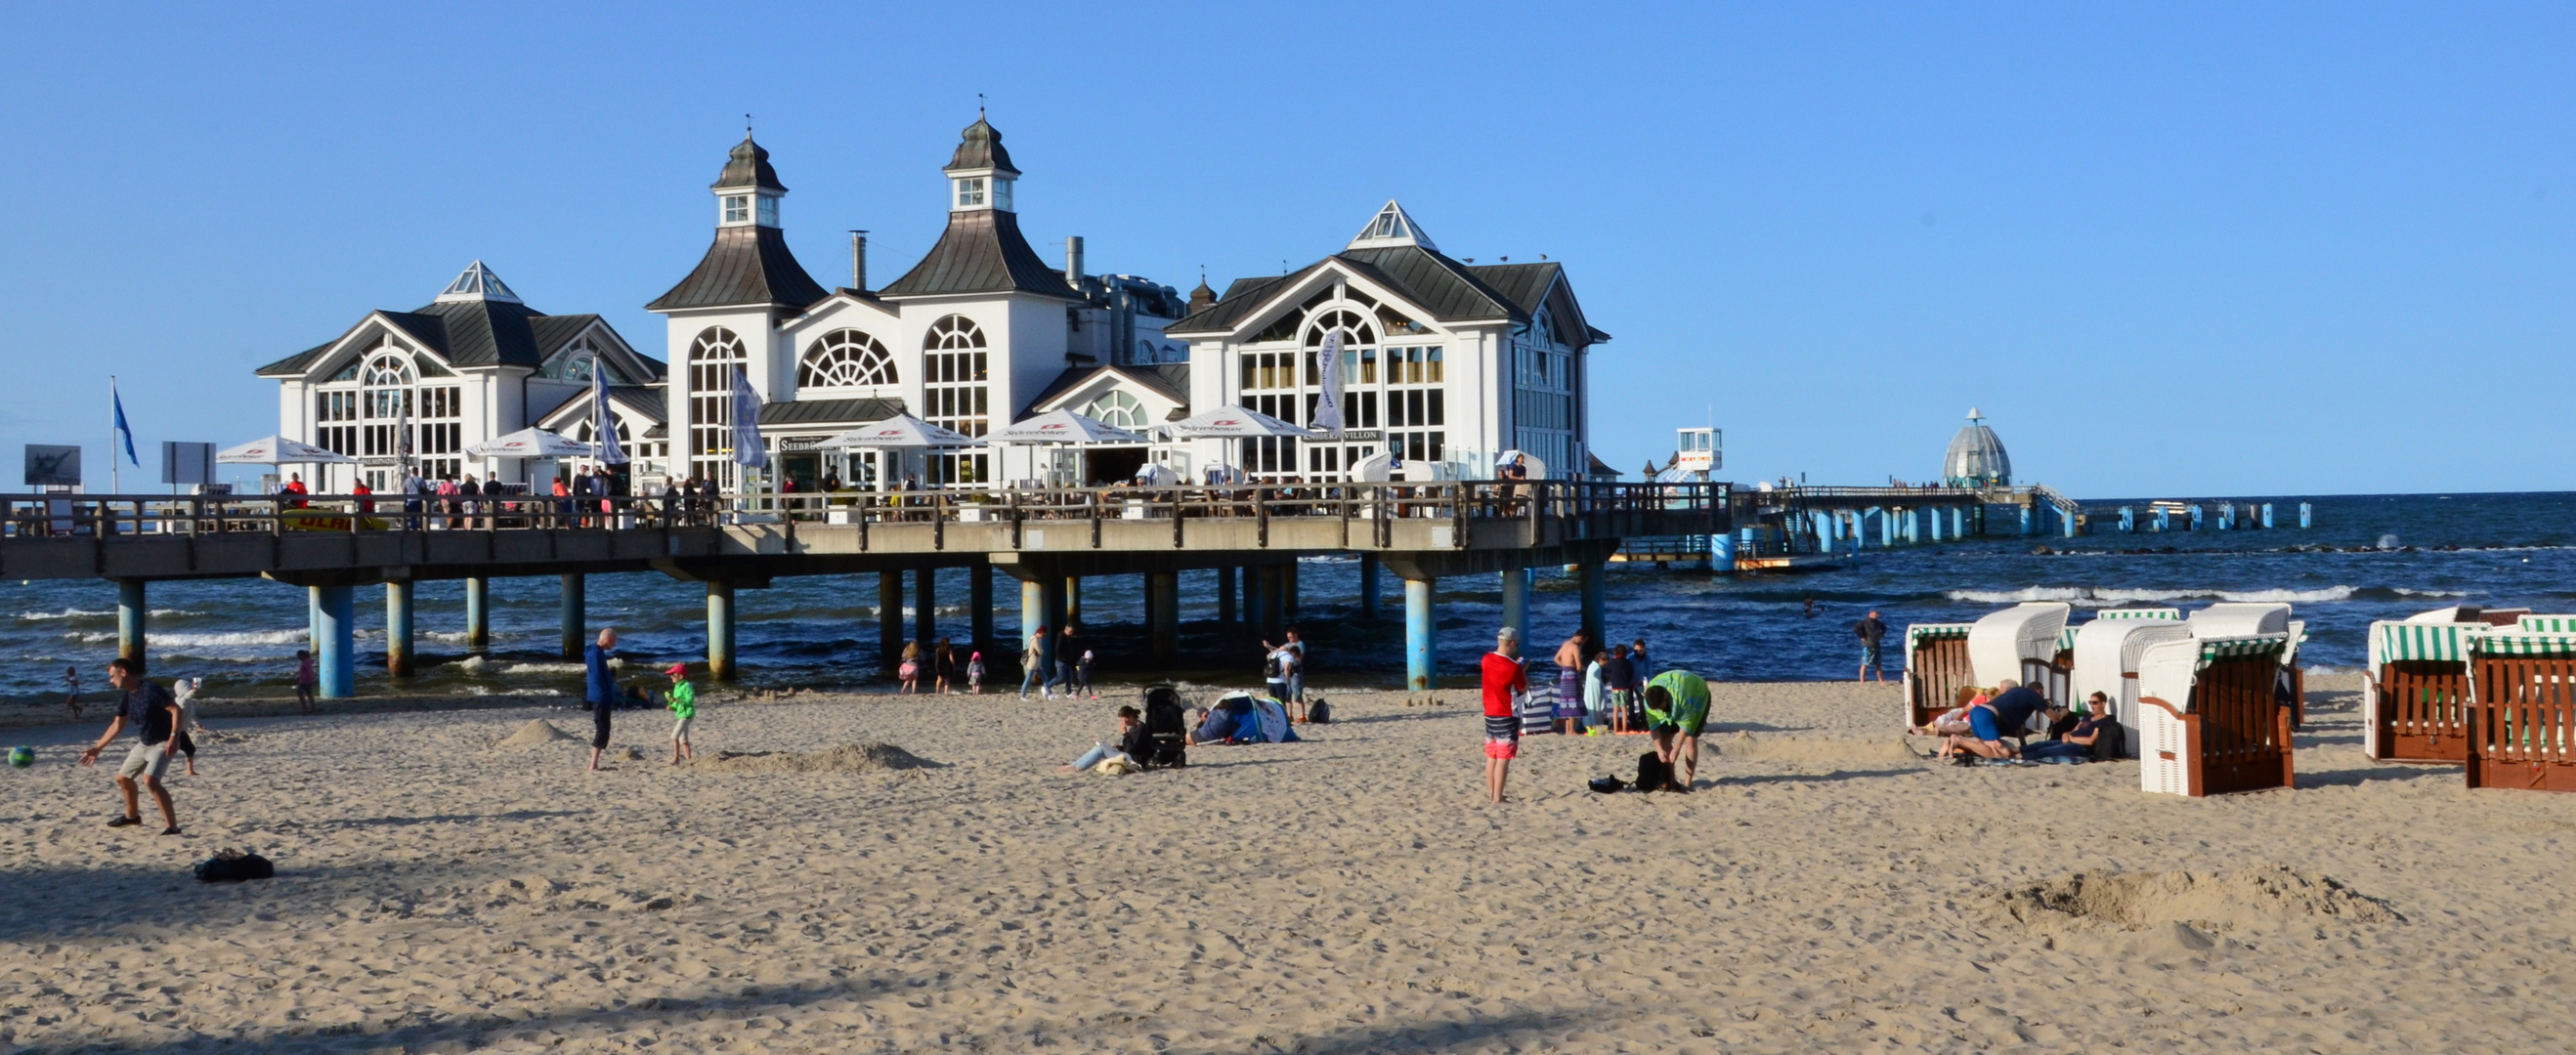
<point x="859" y="261"/>
<point x="1073" y="261"/>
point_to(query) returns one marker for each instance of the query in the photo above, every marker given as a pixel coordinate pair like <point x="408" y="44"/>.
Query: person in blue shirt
<point x="1985" y="735"/>
<point x="599" y="690"/>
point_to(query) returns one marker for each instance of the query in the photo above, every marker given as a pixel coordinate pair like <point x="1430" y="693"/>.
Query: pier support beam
<point x="1274" y="602"/>
<point x="1418" y="641"/>
<point x="478" y="614"/>
<point x="979" y="607"/>
<point x="1251" y="625"/>
<point x="1593" y="581"/>
<point x="925" y="606"/>
<point x="1516" y="591"/>
<point x="1054" y="603"/>
<point x="575" y="616"/>
<point x="1368" y="587"/>
<point x="131" y="614"/>
<point x="335" y="661"/>
<point x="398" y="609"/>
<point x="1071" y="606"/>
<point x="2069" y="516"/>
<point x="1721" y="558"/>
<point x="1032" y="614"/>
<point x="1288" y="589"/>
<point x="1225" y="596"/>
<point x="720" y="630"/>
<point x="889" y="619"/>
<point x="1958" y="523"/>
<point x="1163" y="614"/>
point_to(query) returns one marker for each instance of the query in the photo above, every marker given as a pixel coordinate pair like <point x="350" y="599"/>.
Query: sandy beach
<point x="1822" y="890"/>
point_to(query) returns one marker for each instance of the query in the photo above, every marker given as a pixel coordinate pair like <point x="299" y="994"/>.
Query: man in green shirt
<point x="684" y="706"/>
<point x="1676" y="708"/>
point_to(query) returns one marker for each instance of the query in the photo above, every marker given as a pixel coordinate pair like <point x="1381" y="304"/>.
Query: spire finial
<point x="979" y="106"/>
<point x="746" y="126"/>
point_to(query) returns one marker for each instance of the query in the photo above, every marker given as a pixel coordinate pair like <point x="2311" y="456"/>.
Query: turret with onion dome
<point x="1976" y="457"/>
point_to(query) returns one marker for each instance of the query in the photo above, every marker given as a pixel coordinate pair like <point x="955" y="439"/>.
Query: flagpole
<point x="113" y="406"/>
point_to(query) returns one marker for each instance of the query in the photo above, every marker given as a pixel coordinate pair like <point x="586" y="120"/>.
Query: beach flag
<point x="124" y="433"/>
<point x="746" y="424"/>
<point x="1328" y="379"/>
<point x="602" y="421"/>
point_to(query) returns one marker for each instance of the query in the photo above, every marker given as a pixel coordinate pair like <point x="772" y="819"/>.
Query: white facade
<point x="474" y="364"/>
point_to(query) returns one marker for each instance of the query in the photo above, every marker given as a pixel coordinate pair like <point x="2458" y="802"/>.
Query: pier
<point x="1047" y="539"/>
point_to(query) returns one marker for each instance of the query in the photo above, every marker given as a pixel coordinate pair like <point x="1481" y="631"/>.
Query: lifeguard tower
<point x="1696" y="454"/>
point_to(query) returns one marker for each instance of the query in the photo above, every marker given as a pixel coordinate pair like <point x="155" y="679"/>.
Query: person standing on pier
<point x="599" y="689"/>
<point x="156" y="720"/>
<point x="1871" y="632"/>
<point x="1505" y="682"/>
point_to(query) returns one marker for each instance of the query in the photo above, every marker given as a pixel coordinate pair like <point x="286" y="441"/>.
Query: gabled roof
<point x="553" y="332"/>
<point x="1450" y="291"/>
<point x="1169" y="380"/>
<point x="638" y="400"/>
<point x="982" y="251"/>
<point x="745" y="265"/>
<point x="815" y="412"/>
<point x="1533" y="286"/>
<point x="477" y="321"/>
<point x="482" y="333"/>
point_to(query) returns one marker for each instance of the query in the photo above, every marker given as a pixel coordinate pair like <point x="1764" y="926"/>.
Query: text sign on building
<point x="49" y="465"/>
<point x="187" y="463"/>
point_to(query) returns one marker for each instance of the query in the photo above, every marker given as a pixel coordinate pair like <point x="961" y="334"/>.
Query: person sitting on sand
<point x="1954" y="721"/>
<point x="2078" y="740"/>
<point x="1133" y="743"/>
<point x="2015" y="704"/>
<point x="1985" y="735"/>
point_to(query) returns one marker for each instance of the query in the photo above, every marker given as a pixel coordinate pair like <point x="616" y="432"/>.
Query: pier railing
<point x="1368" y="511"/>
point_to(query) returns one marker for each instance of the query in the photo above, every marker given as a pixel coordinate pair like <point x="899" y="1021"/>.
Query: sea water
<point x="2367" y="558"/>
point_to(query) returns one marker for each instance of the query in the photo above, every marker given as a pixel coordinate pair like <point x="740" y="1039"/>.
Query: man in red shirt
<point x="1505" y="682"/>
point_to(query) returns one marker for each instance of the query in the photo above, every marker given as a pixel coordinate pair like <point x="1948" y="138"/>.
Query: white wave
<point x="2428" y="593"/>
<point x="67" y="613"/>
<point x="186" y="639"/>
<point x="542" y="668"/>
<point x="2109" y="596"/>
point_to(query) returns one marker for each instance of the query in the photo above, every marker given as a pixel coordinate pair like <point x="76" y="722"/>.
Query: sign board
<point x="49" y="465"/>
<point x="187" y="463"/>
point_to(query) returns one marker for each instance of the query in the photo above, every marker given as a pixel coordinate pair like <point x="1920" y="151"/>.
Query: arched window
<point x="391" y="396"/>
<point x="576" y="362"/>
<point x="714" y="359"/>
<point x="953" y="372"/>
<point x="842" y="359"/>
<point x="1116" y="408"/>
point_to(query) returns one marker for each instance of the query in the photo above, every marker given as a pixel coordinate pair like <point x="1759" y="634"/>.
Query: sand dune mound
<point x="1745" y="745"/>
<point x="2261" y="897"/>
<point x="847" y="758"/>
<point x="536" y="733"/>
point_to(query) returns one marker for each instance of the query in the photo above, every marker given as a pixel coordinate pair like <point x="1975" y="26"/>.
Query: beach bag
<point x="1319" y="713"/>
<point x="1606" y="785"/>
<point x="234" y="866"/>
<point x="2110" y="742"/>
<point x="1538" y="710"/>
<point x="1270" y="668"/>
<point x="1652" y="773"/>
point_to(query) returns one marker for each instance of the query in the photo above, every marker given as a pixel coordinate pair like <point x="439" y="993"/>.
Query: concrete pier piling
<point x="1163" y="614"/>
<point x="889" y="619"/>
<point x="1053" y="602"/>
<point x="1072" y="605"/>
<point x="1418" y="638"/>
<point x="1368" y="587"/>
<point x="1516" y="591"/>
<point x="2303" y="516"/>
<point x="1274" y="602"/>
<point x="1032" y="613"/>
<point x="925" y="607"/>
<point x="335" y="661"/>
<point x="979" y="607"/>
<point x="131" y="614"/>
<point x="574" y="615"/>
<point x="478" y="614"/>
<point x="720" y="630"/>
<point x="1225" y="612"/>
<point x="2128" y="520"/>
<point x="1592" y="581"/>
<point x="398" y="637"/>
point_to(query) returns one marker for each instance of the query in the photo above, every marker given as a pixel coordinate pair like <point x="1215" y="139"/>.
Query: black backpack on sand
<point x="233" y="866"/>
<point x="1652" y="773"/>
<point x="1319" y="713"/>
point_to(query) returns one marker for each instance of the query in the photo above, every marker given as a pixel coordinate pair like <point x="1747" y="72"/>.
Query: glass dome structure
<point x="1976" y="457"/>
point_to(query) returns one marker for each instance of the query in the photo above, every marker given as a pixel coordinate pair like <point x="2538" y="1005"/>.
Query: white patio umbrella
<point x="532" y="443"/>
<point x="901" y="432"/>
<point x="278" y="450"/>
<point x="1226" y="423"/>
<point x="1063" y="426"/>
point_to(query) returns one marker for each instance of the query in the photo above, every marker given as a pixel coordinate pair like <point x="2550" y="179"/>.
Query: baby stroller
<point x="1169" y="726"/>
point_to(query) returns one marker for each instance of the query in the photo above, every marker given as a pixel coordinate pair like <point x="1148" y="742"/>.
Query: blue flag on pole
<point x="123" y="432"/>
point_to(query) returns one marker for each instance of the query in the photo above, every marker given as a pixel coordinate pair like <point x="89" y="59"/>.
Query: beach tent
<point x="1269" y="724"/>
<point x="2020" y="644"/>
<point x="2209" y="722"/>
<point x="1236" y="423"/>
<point x="2107" y="652"/>
<point x="1936" y="668"/>
<point x="2415" y="692"/>
<point x="2522" y="710"/>
<point x="278" y="450"/>
<point x="531" y="443"/>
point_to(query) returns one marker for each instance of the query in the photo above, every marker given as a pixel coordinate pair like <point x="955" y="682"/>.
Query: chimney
<point x="859" y="261"/>
<point x="1073" y="261"/>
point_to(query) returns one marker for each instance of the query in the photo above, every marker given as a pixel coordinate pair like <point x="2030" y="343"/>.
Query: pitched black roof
<point x="748" y="167"/>
<point x="298" y="362"/>
<point x="745" y="265"/>
<point x="982" y="251"/>
<point x="1449" y="290"/>
<point x="829" y="411"/>
<point x="980" y="147"/>
<point x="484" y="333"/>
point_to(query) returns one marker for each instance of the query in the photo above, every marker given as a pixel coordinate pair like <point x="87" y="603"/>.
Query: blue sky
<point x="2169" y="249"/>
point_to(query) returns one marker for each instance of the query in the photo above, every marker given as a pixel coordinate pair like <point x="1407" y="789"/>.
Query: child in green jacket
<point x="684" y="706"/>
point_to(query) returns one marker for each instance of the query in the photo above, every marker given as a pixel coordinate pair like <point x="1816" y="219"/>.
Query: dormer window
<point x="768" y="211"/>
<point x="1002" y="194"/>
<point x="970" y="192"/>
<point x="737" y="208"/>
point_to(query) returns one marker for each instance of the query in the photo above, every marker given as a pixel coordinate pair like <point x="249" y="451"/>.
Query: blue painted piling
<point x="1417" y="630"/>
<point x="131" y="613"/>
<point x="335" y="661"/>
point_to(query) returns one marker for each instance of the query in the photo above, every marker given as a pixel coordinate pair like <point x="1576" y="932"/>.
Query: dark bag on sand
<point x="1319" y="712"/>
<point x="233" y="866"/>
<point x="1606" y="785"/>
<point x="1169" y="726"/>
<point x="1652" y="773"/>
<point x="2110" y="742"/>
